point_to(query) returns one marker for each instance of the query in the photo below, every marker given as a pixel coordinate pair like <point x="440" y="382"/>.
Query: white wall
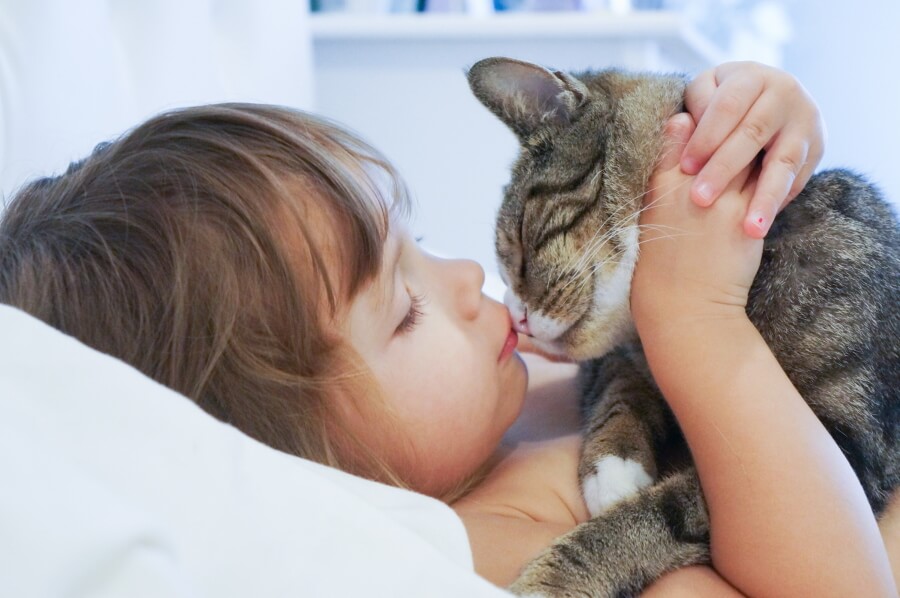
<point x="75" y="73"/>
<point x="848" y="57"/>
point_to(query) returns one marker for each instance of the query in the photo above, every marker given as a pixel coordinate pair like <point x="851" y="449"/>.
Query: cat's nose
<point x="517" y="312"/>
<point x="520" y="324"/>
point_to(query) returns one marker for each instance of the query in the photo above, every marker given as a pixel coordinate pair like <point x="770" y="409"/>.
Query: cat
<point x="826" y="299"/>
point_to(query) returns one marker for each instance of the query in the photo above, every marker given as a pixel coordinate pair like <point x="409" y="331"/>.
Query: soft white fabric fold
<point x="114" y="485"/>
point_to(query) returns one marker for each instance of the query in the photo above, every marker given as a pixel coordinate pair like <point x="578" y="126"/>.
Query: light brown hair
<point x="213" y="248"/>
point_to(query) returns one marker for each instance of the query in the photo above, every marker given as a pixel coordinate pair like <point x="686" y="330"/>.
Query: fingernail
<point x="704" y="193"/>
<point x="759" y="220"/>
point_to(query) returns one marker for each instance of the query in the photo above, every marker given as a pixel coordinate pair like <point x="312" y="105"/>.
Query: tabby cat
<point x="826" y="299"/>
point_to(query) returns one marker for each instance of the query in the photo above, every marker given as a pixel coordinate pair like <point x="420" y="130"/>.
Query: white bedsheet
<point x="113" y="485"/>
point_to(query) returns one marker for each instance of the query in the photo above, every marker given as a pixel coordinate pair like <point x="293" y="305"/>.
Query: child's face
<point x="442" y="355"/>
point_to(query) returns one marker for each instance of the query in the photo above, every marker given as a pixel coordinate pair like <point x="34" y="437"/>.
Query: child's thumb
<point x="677" y="131"/>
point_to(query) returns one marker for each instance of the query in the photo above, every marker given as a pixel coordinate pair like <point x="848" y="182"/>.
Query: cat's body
<point x="826" y="299"/>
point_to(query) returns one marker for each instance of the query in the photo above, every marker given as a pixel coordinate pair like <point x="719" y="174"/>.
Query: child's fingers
<point x="698" y="94"/>
<point x="759" y="219"/>
<point x="813" y="157"/>
<point x="780" y="169"/>
<point x="726" y="111"/>
<point x="760" y="214"/>
<point x="743" y="180"/>
<point x="741" y="147"/>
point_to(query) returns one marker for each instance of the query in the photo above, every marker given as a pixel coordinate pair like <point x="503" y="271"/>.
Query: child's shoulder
<point x="530" y="495"/>
<point x="534" y="474"/>
<point x="532" y="480"/>
<point x="526" y="501"/>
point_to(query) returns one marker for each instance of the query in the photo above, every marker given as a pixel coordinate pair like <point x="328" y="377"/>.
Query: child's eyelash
<point x="416" y="302"/>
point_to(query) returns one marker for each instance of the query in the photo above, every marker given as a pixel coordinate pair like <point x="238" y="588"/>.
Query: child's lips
<point x="512" y="340"/>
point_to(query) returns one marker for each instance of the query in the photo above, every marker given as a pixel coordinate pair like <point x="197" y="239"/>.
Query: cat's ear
<point x="524" y="95"/>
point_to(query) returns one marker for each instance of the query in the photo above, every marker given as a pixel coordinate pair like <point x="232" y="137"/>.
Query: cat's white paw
<point x="616" y="479"/>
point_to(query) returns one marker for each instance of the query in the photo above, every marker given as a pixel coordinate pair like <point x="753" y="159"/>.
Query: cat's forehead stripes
<point x="560" y="225"/>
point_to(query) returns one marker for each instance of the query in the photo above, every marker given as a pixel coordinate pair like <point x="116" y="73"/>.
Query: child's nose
<point x="470" y="275"/>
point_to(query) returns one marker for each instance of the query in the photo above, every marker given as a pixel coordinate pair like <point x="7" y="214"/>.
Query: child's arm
<point x="742" y="108"/>
<point x="532" y="496"/>
<point x="788" y="515"/>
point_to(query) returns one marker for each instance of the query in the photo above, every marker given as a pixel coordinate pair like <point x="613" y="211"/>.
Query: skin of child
<point x="441" y="353"/>
<point x="752" y="435"/>
<point x="425" y="324"/>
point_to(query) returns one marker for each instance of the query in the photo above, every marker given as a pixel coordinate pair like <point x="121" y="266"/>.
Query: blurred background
<point x="75" y="73"/>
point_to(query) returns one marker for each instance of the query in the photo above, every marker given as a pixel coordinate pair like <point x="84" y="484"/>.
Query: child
<point x="253" y="259"/>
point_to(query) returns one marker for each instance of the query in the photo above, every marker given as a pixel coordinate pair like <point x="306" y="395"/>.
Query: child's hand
<point x="741" y="108"/>
<point x="695" y="262"/>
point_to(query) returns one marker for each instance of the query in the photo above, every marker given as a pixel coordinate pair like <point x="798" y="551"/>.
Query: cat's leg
<point x="619" y="553"/>
<point x="625" y="421"/>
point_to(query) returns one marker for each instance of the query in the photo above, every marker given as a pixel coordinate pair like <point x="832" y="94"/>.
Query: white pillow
<point x="113" y="485"/>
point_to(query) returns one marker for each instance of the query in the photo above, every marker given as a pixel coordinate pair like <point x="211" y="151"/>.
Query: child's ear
<point x="525" y="95"/>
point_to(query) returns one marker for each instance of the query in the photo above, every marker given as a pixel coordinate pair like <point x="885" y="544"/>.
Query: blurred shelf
<point x="666" y="27"/>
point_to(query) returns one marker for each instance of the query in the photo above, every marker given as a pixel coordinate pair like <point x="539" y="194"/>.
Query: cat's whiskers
<point x="662" y="237"/>
<point x="614" y="258"/>
<point x="655" y="202"/>
<point x="660" y="227"/>
<point x="577" y="265"/>
<point x="597" y="242"/>
<point x="588" y="265"/>
<point x="594" y="245"/>
<point x="589" y="253"/>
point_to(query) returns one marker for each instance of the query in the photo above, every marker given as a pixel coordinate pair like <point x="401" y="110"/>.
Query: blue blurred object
<point x="538" y="5"/>
<point x="379" y="6"/>
<point x="501" y="5"/>
<point x="444" y="5"/>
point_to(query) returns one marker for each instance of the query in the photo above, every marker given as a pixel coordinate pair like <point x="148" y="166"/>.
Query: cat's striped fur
<point x="826" y="299"/>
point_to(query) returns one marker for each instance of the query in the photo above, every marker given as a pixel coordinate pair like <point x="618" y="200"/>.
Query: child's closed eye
<point x="416" y="302"/>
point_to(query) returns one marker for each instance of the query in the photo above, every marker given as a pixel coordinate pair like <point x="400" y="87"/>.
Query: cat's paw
<point x="615" y="479"/>
<point x="545" y="578"/>
<point x="562" y="571"/>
